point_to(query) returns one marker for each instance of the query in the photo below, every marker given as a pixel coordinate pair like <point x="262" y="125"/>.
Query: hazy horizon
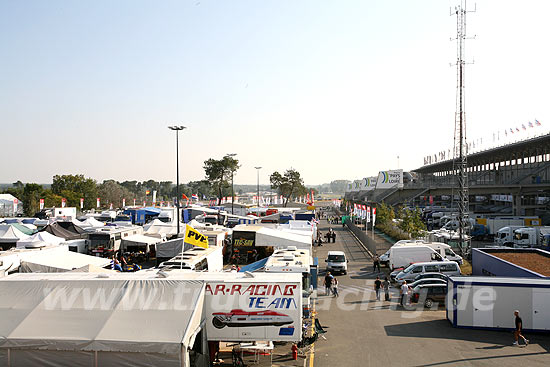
<point x="331" y="89"/>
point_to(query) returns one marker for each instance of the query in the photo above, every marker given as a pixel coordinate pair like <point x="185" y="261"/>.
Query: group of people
<point x="330" y="235"/>
<point x="380" y="285"/>
<point x="334" y="220"/>
<point x="331" y="285"/>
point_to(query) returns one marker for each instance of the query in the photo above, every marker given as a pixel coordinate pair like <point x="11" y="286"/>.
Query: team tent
<point x="139" y="322"/>
<point x="138" y="242"/>
<point x="160" y="229"/>
<point x="69" y="233"/>
<point x="92" y="223"/>
<point x="58" y="261"/>
<point x="40" y="239"/>
<point x="9" y="235"/>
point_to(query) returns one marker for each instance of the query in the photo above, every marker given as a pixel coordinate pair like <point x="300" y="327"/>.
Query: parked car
<point x="430" y="294"/>
<point x="428" y="281"/>
<point x="449" y="268"/>
<point x="431" y="276"/>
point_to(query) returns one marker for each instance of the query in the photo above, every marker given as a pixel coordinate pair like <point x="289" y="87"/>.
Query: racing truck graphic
<point x="240" y="318"/>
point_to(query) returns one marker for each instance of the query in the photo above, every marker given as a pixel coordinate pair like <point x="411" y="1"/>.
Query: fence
<point x="362" y="236"/>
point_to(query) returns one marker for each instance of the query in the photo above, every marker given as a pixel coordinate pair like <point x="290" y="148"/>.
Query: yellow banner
<point x="195" y="238"/>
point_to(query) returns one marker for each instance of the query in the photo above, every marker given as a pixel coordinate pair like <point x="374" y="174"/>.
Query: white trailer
<point x="490" y="302"/>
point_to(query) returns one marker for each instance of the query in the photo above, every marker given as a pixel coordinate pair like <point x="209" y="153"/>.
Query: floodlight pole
<point x="177" y="130"/>
<point x="232" y="191"/>
<point x="258" y="189"/>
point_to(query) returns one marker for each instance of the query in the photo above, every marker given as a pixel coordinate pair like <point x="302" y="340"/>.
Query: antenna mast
<point x="460" y="162"/>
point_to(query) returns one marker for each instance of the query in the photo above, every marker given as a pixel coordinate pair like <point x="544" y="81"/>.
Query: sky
<point x="334" y="89"/>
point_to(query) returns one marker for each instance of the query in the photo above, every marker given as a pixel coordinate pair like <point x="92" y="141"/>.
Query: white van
<point x="337" y="262"/>
<point x="449" y="268"/>
<point x="403" y="256"/>
<point x="445" y="251"/>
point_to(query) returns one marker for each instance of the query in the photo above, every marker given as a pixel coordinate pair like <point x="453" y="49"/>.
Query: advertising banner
<point x="368" y="214"/>
<point x="154" y="197"/>
<point x="15" y="202"/>
<point x="123" y="203"/>
<point x="81" y="203"/>
<point x="63" y="202"/>
<point x="356" y="185"/>
<point x="390" y="179"/>
<point x="249" y="310"/>
<point x="373" y="216"/>
<point x="41" y="204"/>
<point x="98" y="202"/>
<point x="368" y="183"/>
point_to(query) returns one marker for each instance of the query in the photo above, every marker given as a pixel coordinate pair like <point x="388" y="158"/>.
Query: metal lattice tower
<point x="460" y="151"/>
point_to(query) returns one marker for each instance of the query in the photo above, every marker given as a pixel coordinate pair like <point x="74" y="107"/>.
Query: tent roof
<point x="158" y="227"/>
<point x="135" y="315"/>
<point x="40" y="238"/>
<point x="58" y="230"/>
<point x="55" y="262"/>
<point x="10" y="233"/>
<point x="140" y="239"/>
<point x="272" y="237"/>
<point x="22" y="228"/>
<point x="91" y="222"/>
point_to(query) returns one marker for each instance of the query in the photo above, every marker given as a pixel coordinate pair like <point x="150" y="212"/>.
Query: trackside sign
<point x="243" y="310"/>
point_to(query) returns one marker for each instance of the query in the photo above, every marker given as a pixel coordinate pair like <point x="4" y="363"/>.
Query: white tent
<point x="39" y="239"/>
<point x="10" y="234"/>
<point x="90" y="222"/>
<point x="140" y="241"/>
<point x="159" y="228"/>
<point x="58" y="262"/>
<point x="85" y="320"/>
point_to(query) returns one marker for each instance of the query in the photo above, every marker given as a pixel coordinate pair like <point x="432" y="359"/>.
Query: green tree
<point x="288" y="184"/>
<point x="32" y="193"/>
<point x="74" y="187"/>
<point x="111" y="192"/>
<point x="384" y="214"/>
<point x="218" y="173"/>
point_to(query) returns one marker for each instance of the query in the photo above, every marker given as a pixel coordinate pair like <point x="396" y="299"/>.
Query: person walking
<point x="386" y="286"/>
<point x="404" y="293"/>
<point x="376" y="263"/>
<point x="335" y="287"/>
<point x="328" y="283"/>
<point x="517" y="332"/>
<point x="377" y="287"/>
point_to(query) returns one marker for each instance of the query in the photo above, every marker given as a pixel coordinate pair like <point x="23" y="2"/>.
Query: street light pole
<point x="177" y="130"/>
<point x="258" y="189"/>
<point x="232" y="192"/>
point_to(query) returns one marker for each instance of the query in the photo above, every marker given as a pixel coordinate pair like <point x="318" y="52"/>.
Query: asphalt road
<point x="364" y="332"/>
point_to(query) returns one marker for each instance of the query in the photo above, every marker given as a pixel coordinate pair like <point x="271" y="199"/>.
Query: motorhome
<point x="293" y="260"/>
<point x="105" y="241"/>
<point x="196" y="259"/>
<point x="532" y="237"/>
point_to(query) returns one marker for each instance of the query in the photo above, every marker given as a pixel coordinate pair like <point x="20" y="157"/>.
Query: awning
<point x="254" y="266"/>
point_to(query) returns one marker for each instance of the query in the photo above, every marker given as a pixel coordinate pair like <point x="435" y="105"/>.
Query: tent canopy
<point x="10" y="233"/>
<point x="91" y="223"/>
<point x="26" y="230"/>
<point x="159" y="227"/>
<point x="136" y="319"/>
<point x="58" y="262"/>
<point x="39" y="239"/>
<point x="58" y="230"/>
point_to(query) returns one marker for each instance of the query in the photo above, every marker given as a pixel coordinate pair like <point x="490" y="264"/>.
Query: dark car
<point x="428" y="281"/>
<point x="431" y="295"/>
<point x="431" y="275"/>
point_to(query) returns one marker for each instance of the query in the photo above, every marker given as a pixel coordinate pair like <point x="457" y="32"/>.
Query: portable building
<point x="509" y="262"/>
<point x="490" y="302"/>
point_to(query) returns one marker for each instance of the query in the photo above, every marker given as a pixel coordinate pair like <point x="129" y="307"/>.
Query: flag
<point x="98" y="202"/>
<point x="81" y="203"/>
<point x="537" y="122"/>
<point x="63" y="202"/>
<point x="517" y="129"/>
<point x="195" y="197"/>
<point x="41" y="204"/>
<point x="530" y="124"/>
<point x="195" y="238"/>
<point x="506" y="132"/>
<point x="523" y="127"/>
<point x="123" y="202"/>
<point x="147" y="192"/>
<point x="511" y="130"/>
<point x="184" y="197"/>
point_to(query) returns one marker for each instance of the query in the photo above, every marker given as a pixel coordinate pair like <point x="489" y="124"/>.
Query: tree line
<point x="217" y="183"/>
